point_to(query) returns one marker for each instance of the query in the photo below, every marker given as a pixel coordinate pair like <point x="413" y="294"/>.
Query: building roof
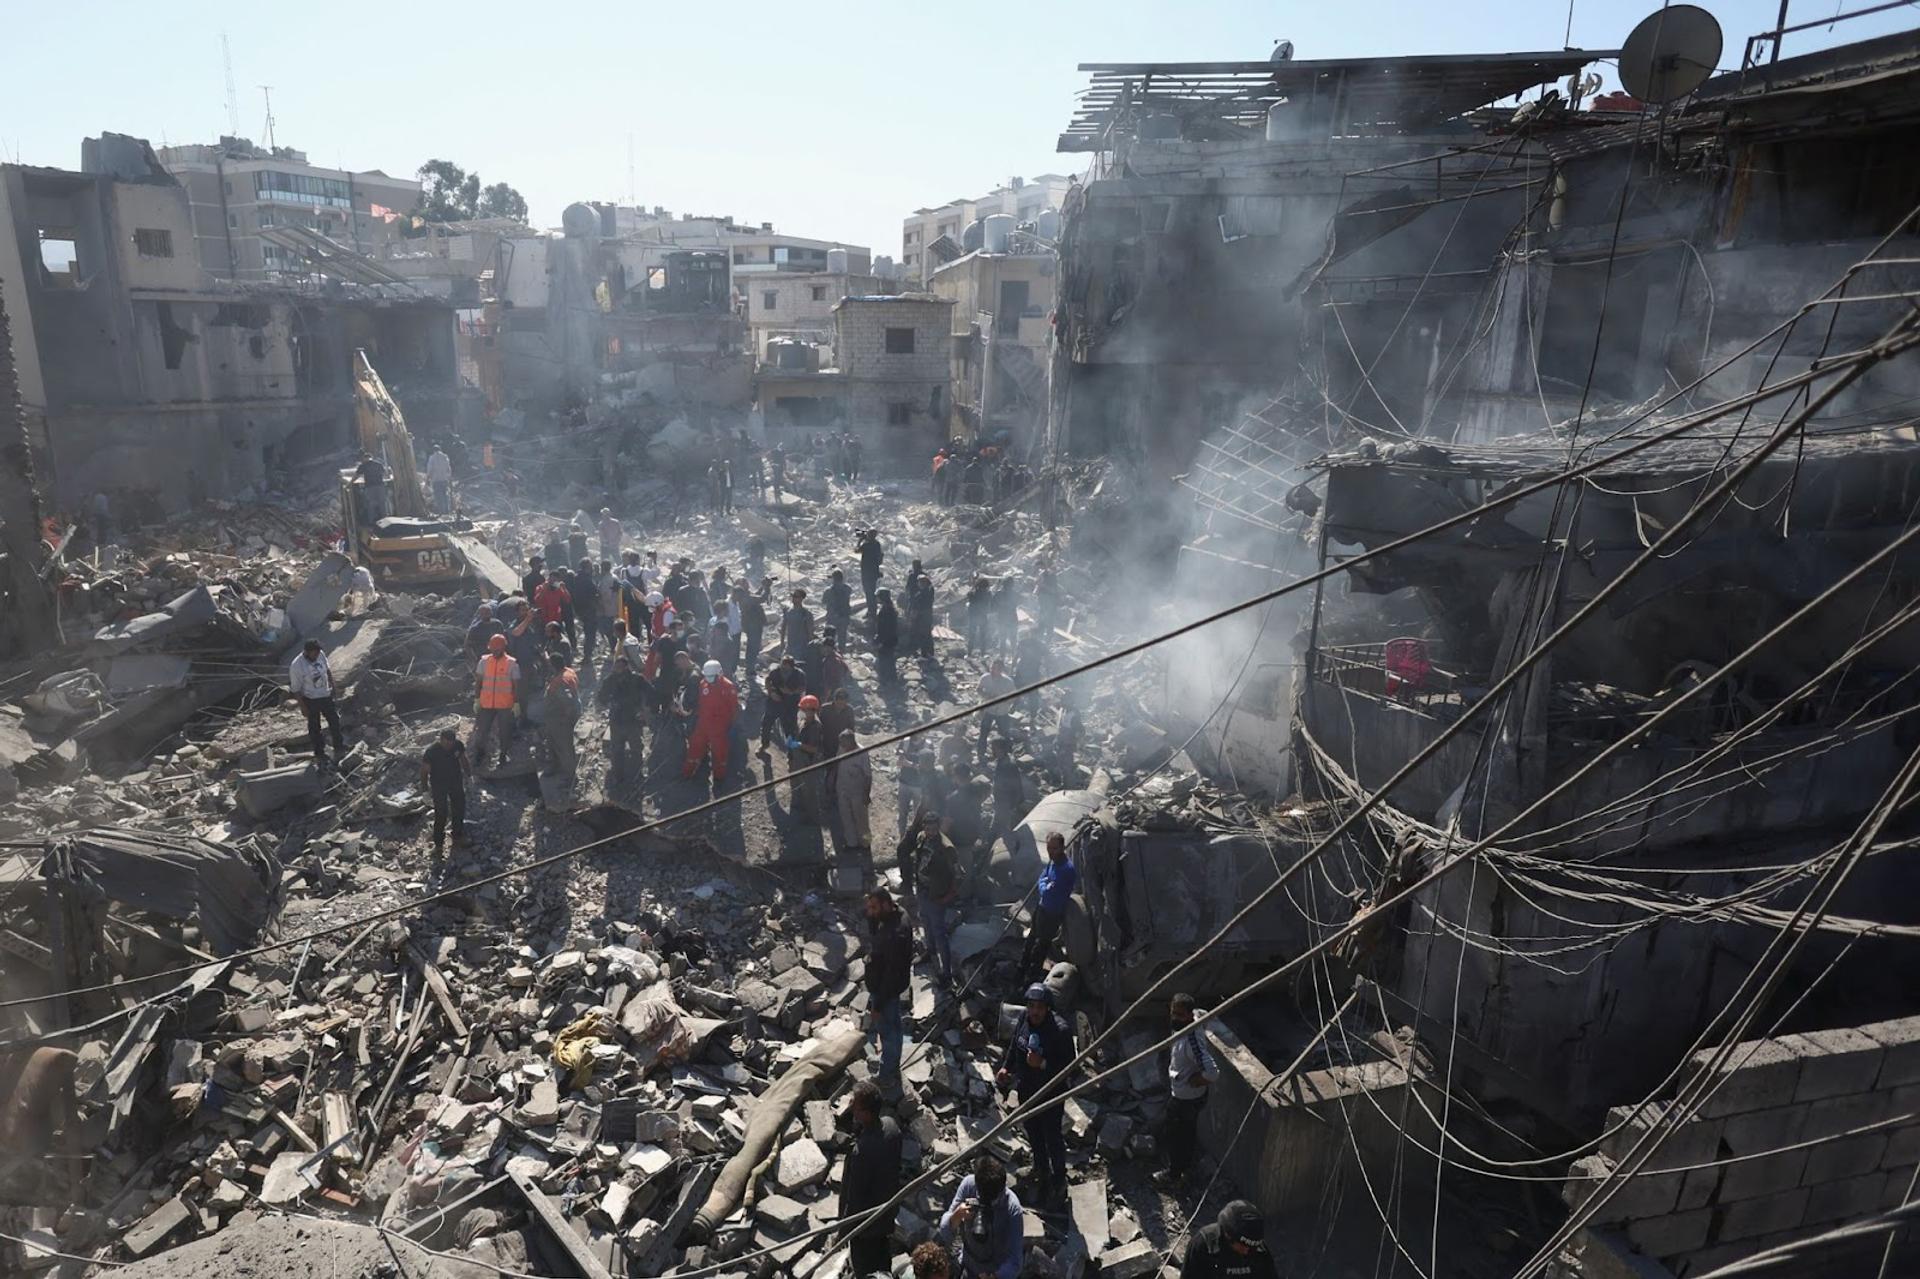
<point x="894" y="297"/>
<point x="1377" y="95"/>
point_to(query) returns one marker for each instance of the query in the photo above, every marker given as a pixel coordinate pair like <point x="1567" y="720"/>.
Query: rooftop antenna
<point x="1670" y="54"/>
<point x="632" y="190"/>
<point x="233" y="98"/>
<point x="266" y="91"/>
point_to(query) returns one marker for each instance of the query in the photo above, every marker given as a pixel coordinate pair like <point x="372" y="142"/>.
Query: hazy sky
<point x="830" y="120"/>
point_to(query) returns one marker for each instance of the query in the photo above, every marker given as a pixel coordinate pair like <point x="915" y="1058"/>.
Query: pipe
<point x="768" y="1117"/>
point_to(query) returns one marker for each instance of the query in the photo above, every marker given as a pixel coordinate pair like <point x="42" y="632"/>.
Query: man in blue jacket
<point x="1058" y="879"/>
<point x="1040" y="1049"/>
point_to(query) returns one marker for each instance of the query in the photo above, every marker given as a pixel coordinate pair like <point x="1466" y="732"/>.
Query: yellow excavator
<point x="393" y="533"/>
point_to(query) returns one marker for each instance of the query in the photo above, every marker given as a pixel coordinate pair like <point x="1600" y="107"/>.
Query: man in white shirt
<point x="1191" y="1071"/>
<point x="440" y="479"/>
<point x="610" y="534"/>
<point x="311" y="681"/>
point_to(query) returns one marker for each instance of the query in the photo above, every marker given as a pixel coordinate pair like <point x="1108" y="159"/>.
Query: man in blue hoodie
<point x="1040" y="1049"/>
<point x="1058" y="879"/>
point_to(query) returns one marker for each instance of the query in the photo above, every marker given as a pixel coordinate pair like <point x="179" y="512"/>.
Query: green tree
<point x="502" y="201"/>
<point x="448" y="193"/>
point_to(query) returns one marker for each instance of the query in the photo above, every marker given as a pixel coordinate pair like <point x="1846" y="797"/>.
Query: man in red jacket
<point x="552" y="600"/>
<point x="712" y="721"/>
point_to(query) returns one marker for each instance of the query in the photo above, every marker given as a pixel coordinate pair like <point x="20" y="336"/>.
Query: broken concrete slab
<point x="268" y="791"/>
<point x="802" y="1164"/>
<point x="158" y="1224"/>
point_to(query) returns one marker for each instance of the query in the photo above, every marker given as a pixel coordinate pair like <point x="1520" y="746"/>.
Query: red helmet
<point x="809" y="703"/>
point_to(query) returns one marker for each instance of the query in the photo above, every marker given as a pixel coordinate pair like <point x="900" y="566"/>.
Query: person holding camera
<point x="1233" y="1247"/>
<point x="1040" y="1049"/>
<point x="983" y="1224"/>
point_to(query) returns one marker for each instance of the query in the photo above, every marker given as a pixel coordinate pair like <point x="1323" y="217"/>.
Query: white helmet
<point x="711" y="670"/>
<point x="655" y="599"/>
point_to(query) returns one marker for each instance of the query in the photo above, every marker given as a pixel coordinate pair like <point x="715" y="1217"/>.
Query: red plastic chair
<point x="1407" y="666"/>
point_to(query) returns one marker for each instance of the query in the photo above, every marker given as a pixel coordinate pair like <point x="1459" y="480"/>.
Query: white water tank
<point x="1285" y="123"/>
<point x="837" y="261"/>
<point x="1047" y="224"/>
<point x="997" y="232"/>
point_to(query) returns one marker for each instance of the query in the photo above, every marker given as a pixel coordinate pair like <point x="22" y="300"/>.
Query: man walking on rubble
<point x="889" y="972"/>
<point x="610" y="534"/>
<point x="719" y="702"/>
<point x="440" y="479"/>
<point x="311" y="681"/>
<point x="936" y="879"/>
<point x="993" y="721"/>
<point x="585" y="593"/>
<point x="624" y="694"/>
<point x="561" y="714"/>
<point x="869" y="1178"/>
<point x="444" y="774"/>
<point x="1191" y="1070"/>
<point x="871" y="559"/>
<point x="535" y="577"/>
<point x="1009" y="789"/>
<point x="750" y="618"/>
<point x="1053" y="894"/>
<point x="838" y="602"/>
<point x="886" y="639"/>
<point x="796" y="624"/>
<point x="851" y="781"/>
<point x="919" y="612"/>
<point x="785" y="686"/>
<point x="1040" y="1049"/>
<point x="496" y="693"/>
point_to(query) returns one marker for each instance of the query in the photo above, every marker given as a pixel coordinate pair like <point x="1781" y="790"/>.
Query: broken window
<point x="899" y="341"/>
<point x="899" y="414"/>
<point x="819" y="293"/>
<point x="173" y="338"/>
<point x="59" y="257"/>
<point x="769" y="299"/>
<point x="153" y="242"/>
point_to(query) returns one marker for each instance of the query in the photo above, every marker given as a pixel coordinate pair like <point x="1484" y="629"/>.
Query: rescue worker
<point x="1040" y="1049"/>
<point x="625" y="695"/>
<point x="805" y="748"/>
<point x="1058" y="879"/>
<point x="869" y="1179"/>
<point x="1191" y="1071"/>
<point x="561" y="714"/>
<point x="851" y="781"/>
<point x="497" y="692"/>
<point x="311" y="681"/>
<point x="784" y="687"/>
<point x="1234" y="1246"/>
<point x="886" y="638"/>
<point x="444" y="774"/>
<point x="719" y="702"/>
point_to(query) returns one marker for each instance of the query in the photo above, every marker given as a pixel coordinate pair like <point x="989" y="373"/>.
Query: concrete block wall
<point x="1773" y="1153"/>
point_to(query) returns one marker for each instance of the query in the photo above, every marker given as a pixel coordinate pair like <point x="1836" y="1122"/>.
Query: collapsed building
<point x="1336" y="309"/>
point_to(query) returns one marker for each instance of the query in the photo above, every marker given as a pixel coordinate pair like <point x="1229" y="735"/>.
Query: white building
<point x="1021" y="198"/>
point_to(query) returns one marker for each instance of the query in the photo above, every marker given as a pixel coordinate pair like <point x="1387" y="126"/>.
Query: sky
<point x="831" y="120"/>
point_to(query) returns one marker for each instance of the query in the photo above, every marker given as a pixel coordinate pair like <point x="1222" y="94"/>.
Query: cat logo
<point x="437" y="560"/>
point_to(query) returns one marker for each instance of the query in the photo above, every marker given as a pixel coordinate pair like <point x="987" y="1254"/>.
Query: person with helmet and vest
<point x="808" y="747"/>
<point x="719" y="702"/>
<point x="1233" y="1247"/>
<point x="497" y="691"/>
<point x="1040" y="1049"/>
<point x="661" y="614"/>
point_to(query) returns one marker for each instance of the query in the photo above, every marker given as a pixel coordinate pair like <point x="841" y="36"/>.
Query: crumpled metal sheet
<point x="231" y="892"/>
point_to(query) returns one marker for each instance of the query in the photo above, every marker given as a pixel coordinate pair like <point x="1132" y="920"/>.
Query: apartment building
<point x="237" y="189"/>
<point x="1023" y="199"/>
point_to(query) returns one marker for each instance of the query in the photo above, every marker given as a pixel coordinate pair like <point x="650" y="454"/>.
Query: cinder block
<point x="1836" y="1115"/>
<point x="1839" y="1200"/>
<point x="1757" y="1075"/>
<point x="1672" y="1235"/>
<point x="1895" y="1193"/>
<point x="1693" y="1142"/>
<point x="1753" y="1217"/>
<point x="1762" y="1130"/>
<point x="1903" y="1148"/>
<point x="1846" y="1157"/>
<point x="1756" y="1178"/>
<point x="1836" y="1063"/>
<point x="1697" y="1188"/>
<point x="1900" y="1050"/>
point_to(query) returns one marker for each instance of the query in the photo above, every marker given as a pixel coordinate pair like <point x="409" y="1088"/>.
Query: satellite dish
<point x="1670" y="54"/>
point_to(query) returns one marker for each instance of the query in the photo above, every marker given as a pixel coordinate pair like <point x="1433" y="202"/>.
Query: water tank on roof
<point x="837" y="261"/>
<point x="1286" y="122"/>
<point x="580" y="221"/>
<point x="1047" y="224"/>
<point x="973" y="237"/>
<point x="1160" y="127"/>
<point x="997" y="232"/>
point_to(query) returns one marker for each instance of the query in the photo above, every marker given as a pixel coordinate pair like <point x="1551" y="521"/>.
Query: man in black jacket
<point x="870" y="1177"/>
<point x="626" y="695"/>
<point x="889" y="969"/>
<point x="1233" y="1247"/>
<point x="871" y="558"/>
<point x="838" y="599"/>
<point x="1040" y="1049"/>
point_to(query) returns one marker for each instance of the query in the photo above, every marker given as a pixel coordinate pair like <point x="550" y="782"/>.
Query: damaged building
<point x="150" y="381"/>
